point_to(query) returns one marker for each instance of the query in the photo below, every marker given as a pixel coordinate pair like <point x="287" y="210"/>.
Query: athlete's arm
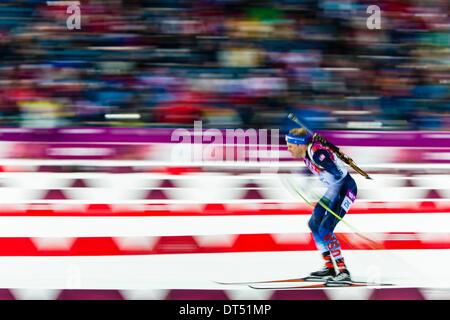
<point x="323" y="159"/>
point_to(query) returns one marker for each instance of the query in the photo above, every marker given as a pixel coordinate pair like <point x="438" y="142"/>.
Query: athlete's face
<point x="297" y="151"/>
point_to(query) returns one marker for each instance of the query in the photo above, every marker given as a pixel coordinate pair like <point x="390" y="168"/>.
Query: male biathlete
<point x="340" y="195"/>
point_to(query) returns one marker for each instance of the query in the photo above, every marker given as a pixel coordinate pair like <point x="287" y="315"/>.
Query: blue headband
<point x="290" y="138"/>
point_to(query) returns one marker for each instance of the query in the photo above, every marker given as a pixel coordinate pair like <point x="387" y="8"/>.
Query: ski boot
<point x="344" y="274"/>
<point x="326" y="273"/>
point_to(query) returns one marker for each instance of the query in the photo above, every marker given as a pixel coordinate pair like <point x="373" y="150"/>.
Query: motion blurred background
<point x="229" y="63"/>
<point x="94" y="204"/>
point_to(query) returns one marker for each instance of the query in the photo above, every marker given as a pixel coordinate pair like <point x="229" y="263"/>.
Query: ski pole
<point x="375" y="244"/>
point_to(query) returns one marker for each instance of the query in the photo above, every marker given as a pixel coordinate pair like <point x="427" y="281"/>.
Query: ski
<point x="325" y="284"/>
<point x="304" y="279"/>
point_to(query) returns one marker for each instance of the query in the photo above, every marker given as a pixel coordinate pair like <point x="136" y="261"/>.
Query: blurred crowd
<point x="229" y="63"/>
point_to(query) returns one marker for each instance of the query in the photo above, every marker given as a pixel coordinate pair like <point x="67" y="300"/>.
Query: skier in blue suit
<point x="340" y="195"/>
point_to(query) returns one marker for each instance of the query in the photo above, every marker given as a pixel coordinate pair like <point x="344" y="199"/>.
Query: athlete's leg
<point x="340" y="205"/>
<point x="314" y="224"/>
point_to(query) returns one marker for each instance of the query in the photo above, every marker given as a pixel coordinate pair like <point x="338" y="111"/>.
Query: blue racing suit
<point x="340" y="195"/>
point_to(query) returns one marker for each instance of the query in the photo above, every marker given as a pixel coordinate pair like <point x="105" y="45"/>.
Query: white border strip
<point x="243" y="164"/>
<point x="63" y="3"/>
<point x="210" y="225"/>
